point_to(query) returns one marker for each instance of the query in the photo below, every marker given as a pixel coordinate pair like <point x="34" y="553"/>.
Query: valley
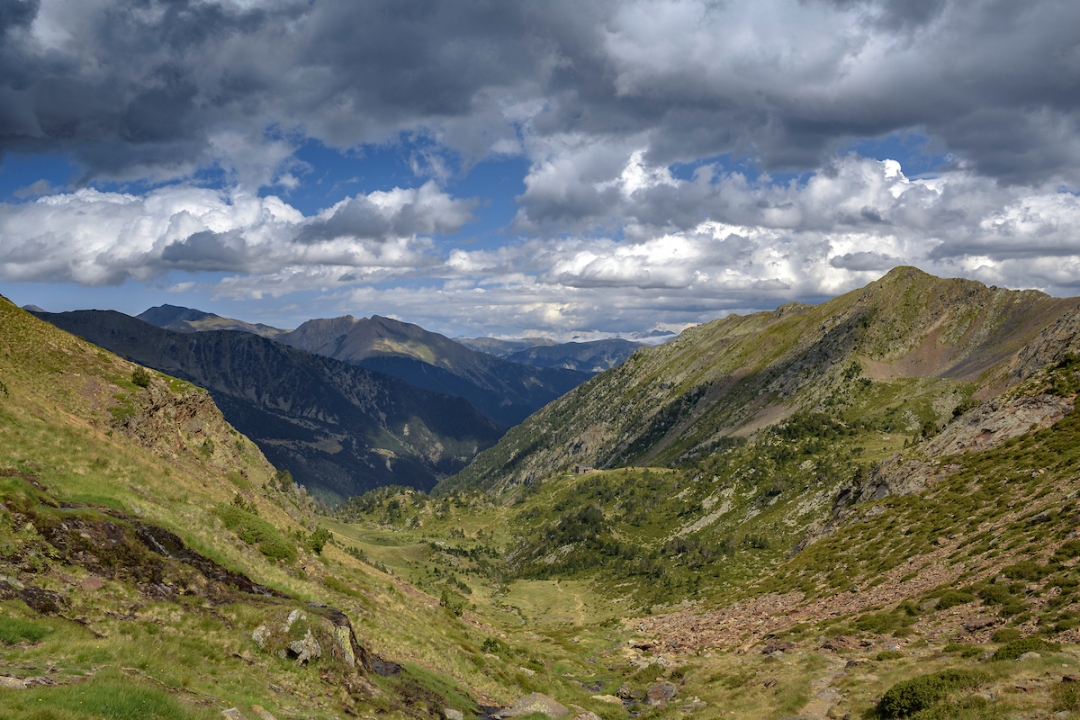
<point x="868" y="508"/>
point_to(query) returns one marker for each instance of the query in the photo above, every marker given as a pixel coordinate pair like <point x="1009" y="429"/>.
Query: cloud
<point x="150" y="93"/>
<point x="97" y="238"/>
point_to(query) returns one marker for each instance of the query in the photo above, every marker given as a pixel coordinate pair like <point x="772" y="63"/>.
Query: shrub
<point x="140" y="377"/>
<point x="1016" y="648"/>
<point x="920" y="693"/>
<point x="952" y="598"/>
<point x="256" y="531"/>
<point x="318" y="540"/>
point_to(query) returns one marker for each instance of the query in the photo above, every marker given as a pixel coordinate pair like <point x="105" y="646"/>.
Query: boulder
<point x="10" y="683"/>
<point x="305" y="649"/>
<point x="232" y="714"/>
<point x="452" y="714"/>
<point x="1029" y="656"/>
<point x="262" y="712"/>
<point x="661" y="692"/>
<point x="536" y="703"/>
<point x="587" y="715"/>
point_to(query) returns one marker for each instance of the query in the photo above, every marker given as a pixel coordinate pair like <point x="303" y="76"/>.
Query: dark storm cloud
<point x="208" y="251"/>
<point x="146" y="87"/>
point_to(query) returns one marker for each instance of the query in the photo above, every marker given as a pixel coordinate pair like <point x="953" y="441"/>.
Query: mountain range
<point x="338" y="428"/>
<point x="505" y="392"/>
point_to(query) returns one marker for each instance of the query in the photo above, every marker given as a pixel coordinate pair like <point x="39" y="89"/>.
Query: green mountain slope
<point x="506" y="392"/>
<point x="900" y="353"/>
<point x="339" y="429"/>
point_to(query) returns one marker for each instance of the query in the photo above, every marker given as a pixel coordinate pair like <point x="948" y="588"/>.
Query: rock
<point x="980" y="624"/>
<point x="527" y="671"/>
<point x="770" y="682"/>
<point x="91" y="584"/>
<point x="1068" y="678"/>
<point x="10" y="683"/>
<point x="262" y="712"/>
<point x="305" y="649"/>
<point x="625" y="692"/>
<point x="595" y="686"/>
<point x="856" y="662"/>
<point x="452" y="714"/>
<point x="893" y="648"/>
<point x="344" y="638"/>
<point x="693" y="707"/>
<point x="777" y="647"/>
<point x="608" y="699"/>
<point x="536" y="703"/>
<point x="587" y="715"/>
<point x="260" y="635"/>
<point x="232" y="714"/>
<point x="1029" y="656"/>
<point x="661" y="692"/>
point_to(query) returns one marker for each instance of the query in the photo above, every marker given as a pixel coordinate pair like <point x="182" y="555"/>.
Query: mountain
<point x="505" y="392"/>
<point x="591" y="357"/>
<point x="503" y="348"/>
<point x="182" y="319"/>
<point x="339" y="429"/>
<point x="929" y="342"/>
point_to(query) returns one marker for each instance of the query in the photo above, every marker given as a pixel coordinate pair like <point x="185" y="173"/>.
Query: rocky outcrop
<point x="1050" y="346"/>
<point x="535" y="703"/>
<point x="302" y="636"/>
<point x="994" y="422"/>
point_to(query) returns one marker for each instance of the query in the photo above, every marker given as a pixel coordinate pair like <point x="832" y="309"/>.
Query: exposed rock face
<point x="992" y="423"/>
<point x="1049" y="346"/>
<point x="536" y="703"/>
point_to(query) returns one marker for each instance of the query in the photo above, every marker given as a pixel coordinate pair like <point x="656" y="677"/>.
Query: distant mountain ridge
<point x="593" y="356"/>
<point x="182" y="319"/>
<point x="505" y="392"/>
<point x="339" y="429"/>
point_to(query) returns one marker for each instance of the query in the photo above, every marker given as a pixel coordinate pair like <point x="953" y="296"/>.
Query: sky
<point x="499" y="167"/>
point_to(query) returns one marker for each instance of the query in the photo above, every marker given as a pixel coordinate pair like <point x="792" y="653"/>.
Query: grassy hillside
<point x="143" y="541"/>
<point x="908" y="335"/>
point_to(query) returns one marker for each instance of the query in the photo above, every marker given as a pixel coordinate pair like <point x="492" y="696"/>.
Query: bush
<point x="920" y="693"/>
<point x="1065" y="697"/>
<point x="140" y="377"/>
<point x="318" y="540"/>
<point x="1006" y="635"/>
<point x="952" y="598"/>
<point x="256" y="531"/>
<point x="1016" y="648"/>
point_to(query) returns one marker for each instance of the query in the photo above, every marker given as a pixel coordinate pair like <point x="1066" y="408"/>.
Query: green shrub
<point x="140" y="377"/>
<point x="908" y="697"/>
<point x="1016" y="648"/>
<point x="952" y="598"/>
<point x="889" y="655"/>
<point x="318" y="540"/>
<point x="14" y="630"/>
<point x="256" y="531"/>
<point x="965" y="650"/>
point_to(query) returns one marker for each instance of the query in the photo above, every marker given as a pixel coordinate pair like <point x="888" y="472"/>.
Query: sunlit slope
<point x="143" y="540"/>
<point x="906" y="334"/>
